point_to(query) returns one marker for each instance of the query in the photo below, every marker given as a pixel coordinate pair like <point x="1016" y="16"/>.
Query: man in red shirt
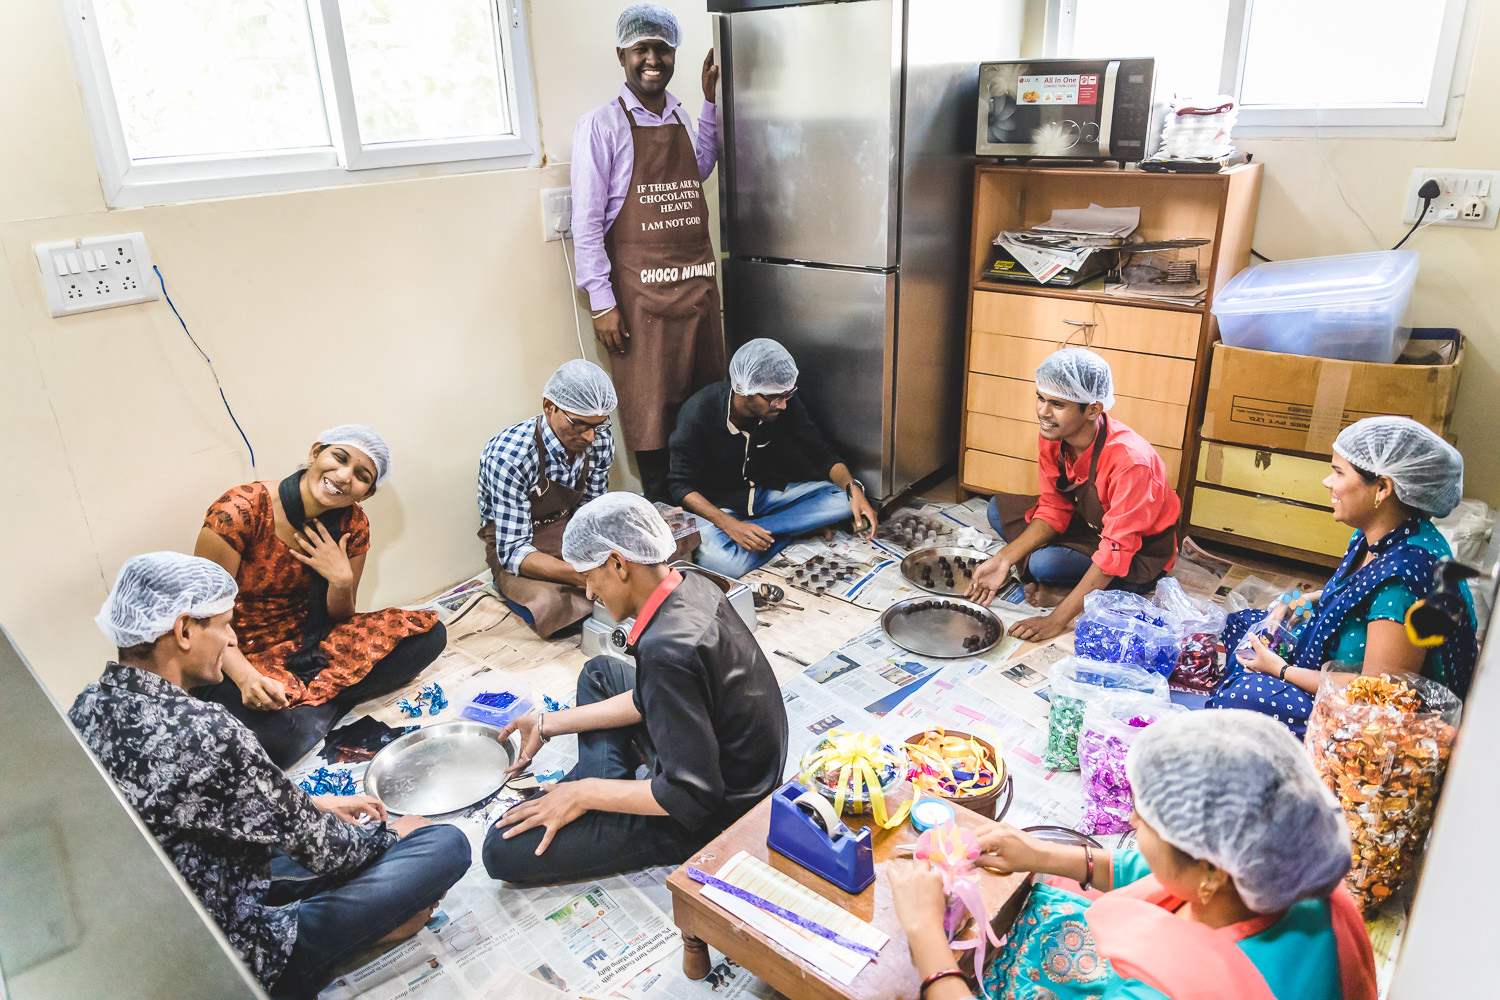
<point x="1106" y="517"/>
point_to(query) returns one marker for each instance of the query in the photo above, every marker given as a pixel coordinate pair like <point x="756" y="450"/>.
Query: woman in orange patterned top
<point x="297" y="550"/>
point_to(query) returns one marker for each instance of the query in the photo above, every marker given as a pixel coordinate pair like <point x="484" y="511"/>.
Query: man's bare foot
<point x="410" y="926"/>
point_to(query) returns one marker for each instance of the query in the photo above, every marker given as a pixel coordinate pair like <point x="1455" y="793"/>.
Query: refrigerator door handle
<point x="722" y="55"/>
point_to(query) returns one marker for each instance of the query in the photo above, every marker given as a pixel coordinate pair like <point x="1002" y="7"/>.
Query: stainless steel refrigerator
<point x="845" y="188"/>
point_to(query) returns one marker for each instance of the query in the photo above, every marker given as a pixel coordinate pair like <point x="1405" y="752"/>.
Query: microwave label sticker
<point x="1060" y="88"/>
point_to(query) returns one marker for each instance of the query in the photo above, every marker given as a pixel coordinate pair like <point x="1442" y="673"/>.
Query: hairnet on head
<point x="626" y="523"/>
<point x="1427" y="471"/>
<point x="1078" y="375"/>
<point x="762" y="366"/>
<point x="152" y="591"/>
<point x="581" y="387"/>
<point x="1236" y="789"/>
<point x="641" y="22"/>
<point x="366" y="440"/>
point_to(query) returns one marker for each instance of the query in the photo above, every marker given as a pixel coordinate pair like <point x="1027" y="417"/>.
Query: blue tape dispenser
<point x="805" y="829"/>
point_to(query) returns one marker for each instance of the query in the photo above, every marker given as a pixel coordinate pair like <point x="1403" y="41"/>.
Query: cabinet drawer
<point x="1269" y="520"/>
<point x="1121" y="328"/>
<point x="1163" y="424"/>
<point x="1018" y="439"/>
<point x="988" y="473"/>
<point x="1143" y="376"/>
<point x="1267" y="473"/>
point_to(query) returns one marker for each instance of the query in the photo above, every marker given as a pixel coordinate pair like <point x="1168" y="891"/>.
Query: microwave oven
<point x="1074" y="109"/>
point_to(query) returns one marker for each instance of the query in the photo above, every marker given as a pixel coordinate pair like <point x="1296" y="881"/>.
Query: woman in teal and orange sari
<point x="1235" y="893"/>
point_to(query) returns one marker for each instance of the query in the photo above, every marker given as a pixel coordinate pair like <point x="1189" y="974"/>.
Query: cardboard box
<point x="1297" y="403"/>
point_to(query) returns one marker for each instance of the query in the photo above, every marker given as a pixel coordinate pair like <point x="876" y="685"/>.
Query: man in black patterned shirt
<point x="298" y="884"/>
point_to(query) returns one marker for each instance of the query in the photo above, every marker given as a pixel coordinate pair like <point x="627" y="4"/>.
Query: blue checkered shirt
<point x="507" y="472"/>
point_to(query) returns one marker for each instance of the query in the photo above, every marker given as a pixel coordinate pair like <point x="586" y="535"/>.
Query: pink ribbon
<point x="953" y="852"/>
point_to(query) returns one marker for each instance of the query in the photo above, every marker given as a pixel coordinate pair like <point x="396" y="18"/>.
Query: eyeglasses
<point x="584" y="426"/>
<point x="778" y="397"/>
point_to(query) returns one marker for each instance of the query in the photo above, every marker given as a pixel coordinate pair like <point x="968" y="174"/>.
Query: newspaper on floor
<point x="726" y="978"/>
<point x="579" y="939"/>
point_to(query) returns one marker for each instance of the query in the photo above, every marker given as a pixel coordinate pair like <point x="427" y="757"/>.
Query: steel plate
<point x="924" y="569"/>
<point x="440" y="769"/>
<point x="939" y="626"/>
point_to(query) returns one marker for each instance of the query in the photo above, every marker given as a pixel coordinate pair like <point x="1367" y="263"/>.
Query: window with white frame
<point x="200" y="98"/>
<point x="1362" y="66"/>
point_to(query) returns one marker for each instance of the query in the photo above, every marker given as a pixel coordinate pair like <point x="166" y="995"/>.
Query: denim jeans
<point x="788" y="514"/>
<point x="1051" y="565"/>
<point x="597" y="843"/>
<point x="341" y="915"/>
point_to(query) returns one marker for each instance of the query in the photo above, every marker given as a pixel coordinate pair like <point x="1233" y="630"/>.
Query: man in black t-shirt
<point x="701" y="710"/>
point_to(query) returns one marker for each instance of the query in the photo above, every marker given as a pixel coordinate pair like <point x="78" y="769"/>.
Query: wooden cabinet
<point x="1157" y="351"/>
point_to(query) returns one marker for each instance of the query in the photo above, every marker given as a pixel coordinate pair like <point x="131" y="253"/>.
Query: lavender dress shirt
<point x="603" y="157"/>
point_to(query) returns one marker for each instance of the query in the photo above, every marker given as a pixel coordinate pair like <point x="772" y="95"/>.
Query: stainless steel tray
<point x="441" y="769"/>
<point x="942" y="626"/>
<point x="932" y="567"/>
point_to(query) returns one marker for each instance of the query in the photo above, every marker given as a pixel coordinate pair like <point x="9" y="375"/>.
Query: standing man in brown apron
<point x="532" y="477"/>
<point x="640" y="231"/>
<point x="1107" y="516"/>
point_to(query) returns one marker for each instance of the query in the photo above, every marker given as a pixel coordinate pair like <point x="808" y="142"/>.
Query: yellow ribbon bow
<point x="859" y="758"/>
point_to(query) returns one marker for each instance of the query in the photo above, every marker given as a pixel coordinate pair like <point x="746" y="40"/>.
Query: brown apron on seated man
<point x="1086" y="528"/>
<point x="553" y="606"/>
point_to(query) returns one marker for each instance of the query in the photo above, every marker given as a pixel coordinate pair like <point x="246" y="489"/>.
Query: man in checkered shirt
<point x="532" y="477"/>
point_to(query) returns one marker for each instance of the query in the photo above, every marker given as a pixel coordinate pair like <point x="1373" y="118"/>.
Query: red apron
<point x="553" y="606"/>
<point x="662" y="268"/>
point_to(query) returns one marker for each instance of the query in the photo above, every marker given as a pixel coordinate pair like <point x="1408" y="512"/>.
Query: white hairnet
<point x="366" y="440"/>
<point x="642" y="22"/>
<point x="626" y="523"/>
<point x="762" y="366"/>
<point x="581" y="387"/>
<point x="152" y="591"/>
<point x="1427" y="471"/>
<point x="1236" y="788"/>
<point x="1078" y="375"/>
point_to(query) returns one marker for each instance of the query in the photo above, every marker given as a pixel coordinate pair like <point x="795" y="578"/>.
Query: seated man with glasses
<point x="532" y="477"/>
<point x="748" y="461"/>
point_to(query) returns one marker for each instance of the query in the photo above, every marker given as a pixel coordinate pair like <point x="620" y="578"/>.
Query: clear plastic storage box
<point x="1348" y="307"/>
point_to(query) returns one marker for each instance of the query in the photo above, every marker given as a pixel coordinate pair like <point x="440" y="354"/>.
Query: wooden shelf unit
<point x="1159" y="352"/>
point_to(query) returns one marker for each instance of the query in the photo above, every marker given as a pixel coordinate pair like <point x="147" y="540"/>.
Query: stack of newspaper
<point x="1068" y="239"/>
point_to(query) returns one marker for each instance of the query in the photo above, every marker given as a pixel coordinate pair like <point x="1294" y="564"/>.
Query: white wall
<point x="428" y="308"/>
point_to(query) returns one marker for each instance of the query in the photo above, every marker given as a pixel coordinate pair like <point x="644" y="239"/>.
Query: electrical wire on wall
<point x="572" y="302"/>
<point x="207" y="360"/>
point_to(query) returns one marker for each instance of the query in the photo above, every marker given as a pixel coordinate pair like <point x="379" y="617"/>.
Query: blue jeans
<point x="1051" y="565"/>
<point x="788" y="514"/>
<point x="341" y="915"/>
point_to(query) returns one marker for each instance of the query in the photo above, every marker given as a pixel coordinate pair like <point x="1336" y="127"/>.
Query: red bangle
<point x="935" y="977"/>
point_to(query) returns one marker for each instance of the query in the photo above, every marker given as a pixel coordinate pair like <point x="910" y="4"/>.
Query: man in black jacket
<point x="701" y="709"/>
<point x="747" y="459"/>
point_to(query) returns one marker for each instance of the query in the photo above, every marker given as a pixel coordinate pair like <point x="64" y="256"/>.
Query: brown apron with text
<point x="662" y="267"/>
<point x="1084" y="531"/>
<point x="553" y="606"/>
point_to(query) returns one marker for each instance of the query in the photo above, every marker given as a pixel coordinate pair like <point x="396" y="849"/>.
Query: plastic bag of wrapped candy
<point x="1111" y="724"/>
<point x="1279" y="638"/>
<point x="1381" y="744"/>
<point x="1199" y="624"/>
<point x="1120" y="627"/>
<point x="1075" y="681"/>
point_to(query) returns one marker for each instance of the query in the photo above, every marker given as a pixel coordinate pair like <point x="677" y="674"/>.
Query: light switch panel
<point x="96" y="272"/>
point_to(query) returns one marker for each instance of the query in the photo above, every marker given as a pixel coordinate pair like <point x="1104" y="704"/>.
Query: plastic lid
<point x="1288" y="285"/>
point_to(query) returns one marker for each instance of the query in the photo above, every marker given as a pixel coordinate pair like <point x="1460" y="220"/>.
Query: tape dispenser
<point x="805" y="829"/>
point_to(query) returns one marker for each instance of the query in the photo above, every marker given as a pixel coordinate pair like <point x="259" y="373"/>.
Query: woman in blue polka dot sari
<point x="1390" y="477"/>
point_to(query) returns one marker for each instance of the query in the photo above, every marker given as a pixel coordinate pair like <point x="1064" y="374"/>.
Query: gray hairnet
<point x="366" y="440"/>
<point x="626" y="523"/>
<point x="642" y="22"/>
<point x="762" y="366"/>
<point x="581" y="387"/>
<point x="1427" y="471"/>
<point x="1077" y="374"/>
<point x="152" y="591"/>
<point x="1236" y="789"/>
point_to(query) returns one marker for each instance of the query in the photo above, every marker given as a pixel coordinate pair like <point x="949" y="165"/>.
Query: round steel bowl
<point x="938" y="626"/>
<point x="920" y="559"/>
<point x="441" y="769"/>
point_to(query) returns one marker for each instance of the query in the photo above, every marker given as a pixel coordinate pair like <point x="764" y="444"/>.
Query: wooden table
<point x="889" y="977"/>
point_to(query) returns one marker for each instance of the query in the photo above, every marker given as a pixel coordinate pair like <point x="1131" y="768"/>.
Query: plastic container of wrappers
<point x="486" y="707"/>
<point x="1348" y="307"/>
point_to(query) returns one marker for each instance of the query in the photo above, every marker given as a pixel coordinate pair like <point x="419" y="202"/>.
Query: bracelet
<point x="1088" y="867"/>
<point x="937" y="976"/>
<point x="540" y="718"/>
<point x="1284" y="668"/>
<point x="849" y="490"/>
<point x="601" y="313"/>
